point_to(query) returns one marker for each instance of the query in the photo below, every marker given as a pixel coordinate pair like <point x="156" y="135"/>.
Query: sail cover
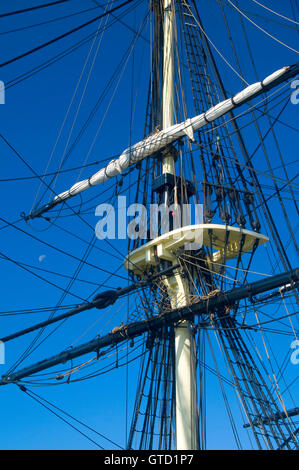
<point x="160" y="139"/>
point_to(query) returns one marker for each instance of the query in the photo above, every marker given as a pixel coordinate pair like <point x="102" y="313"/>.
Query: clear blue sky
<point x="30" y="120"/>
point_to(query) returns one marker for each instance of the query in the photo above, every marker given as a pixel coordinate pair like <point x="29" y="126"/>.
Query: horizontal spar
<point x="100" y="301"/>
<point x="133" y="330"/>
<point x="158" y="140"/>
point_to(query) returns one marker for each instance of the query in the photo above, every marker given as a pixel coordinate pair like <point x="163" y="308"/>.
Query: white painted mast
<point x="178" y="288"/>
<point x="168" y="79"/>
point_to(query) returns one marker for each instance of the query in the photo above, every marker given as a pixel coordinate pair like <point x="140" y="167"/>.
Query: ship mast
<point x="159" y="258"/>
<point x="178" y="288"/>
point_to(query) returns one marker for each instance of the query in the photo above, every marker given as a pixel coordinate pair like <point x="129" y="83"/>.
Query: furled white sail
<point x="160" y="139"/>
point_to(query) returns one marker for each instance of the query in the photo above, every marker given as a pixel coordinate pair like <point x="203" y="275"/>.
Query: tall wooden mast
<point x="178" y="288"/>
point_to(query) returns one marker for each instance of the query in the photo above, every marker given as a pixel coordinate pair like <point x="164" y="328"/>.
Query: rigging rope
<point x="275" y="12"/>
<point x="216" y="49"/>
<point x="261" y="29"/>
<point x="37" y="7"/>
<point x="42" y="402"/>
<point x="62" y="36"/>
